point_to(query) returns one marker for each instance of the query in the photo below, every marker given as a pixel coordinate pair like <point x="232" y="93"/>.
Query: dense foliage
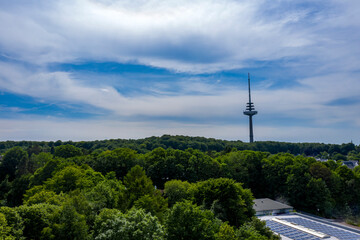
<point x="337" y="151"/>
<point x="91" y="190"/>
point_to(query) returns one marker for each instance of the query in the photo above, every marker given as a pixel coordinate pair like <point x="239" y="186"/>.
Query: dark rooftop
<point x="264" y="204"/>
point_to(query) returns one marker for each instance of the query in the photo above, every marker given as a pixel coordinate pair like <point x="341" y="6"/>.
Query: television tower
<point x="250" y="111"/>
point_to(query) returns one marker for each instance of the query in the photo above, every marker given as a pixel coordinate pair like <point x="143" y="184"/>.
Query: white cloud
<point x="310" y="101"/>
<point x="60" y="87"/>
<point x="313" y="99"/>
<point x="183" y="35"/>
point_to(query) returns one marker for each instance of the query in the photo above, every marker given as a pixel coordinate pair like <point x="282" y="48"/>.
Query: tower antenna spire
<point x="249" y="87"/>
<point x="250" y="111"/>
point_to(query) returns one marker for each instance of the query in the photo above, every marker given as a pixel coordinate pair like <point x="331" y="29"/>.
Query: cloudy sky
<point x="101" y="69"/>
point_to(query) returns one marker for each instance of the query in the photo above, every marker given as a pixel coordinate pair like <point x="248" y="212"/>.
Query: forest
<point x="169" y="187"/>
<point x="208" y="145"/>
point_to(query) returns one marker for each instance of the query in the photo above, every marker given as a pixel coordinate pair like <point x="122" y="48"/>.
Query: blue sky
<point x="102" y="69"/>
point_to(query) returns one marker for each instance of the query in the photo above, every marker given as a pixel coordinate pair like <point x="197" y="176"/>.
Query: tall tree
<point x="176" y="191"/>
<point x="226" y="198"/>
<point x="134" y="225"/>
<point x="14" y="163"/>
<point x="137" y="184"/>
<point x="5" y="229"/>
<point x="120" y="160"/>
<point x="67" y="151"/>
<point x="187" y="221"/>
<point x="67" y="224"/>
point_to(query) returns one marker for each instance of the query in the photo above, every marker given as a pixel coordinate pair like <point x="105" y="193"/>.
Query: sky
<point x="105" y="69"/>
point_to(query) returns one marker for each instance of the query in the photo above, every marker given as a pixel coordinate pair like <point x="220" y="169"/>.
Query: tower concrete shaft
<point x="250" y="111"/>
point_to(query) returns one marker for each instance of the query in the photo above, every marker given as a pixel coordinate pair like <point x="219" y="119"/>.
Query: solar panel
<point x="289" y="232"/>
<point x="332" y="231"/>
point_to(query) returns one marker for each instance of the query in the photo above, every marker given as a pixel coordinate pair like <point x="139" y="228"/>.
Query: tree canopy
<point x="169" y="187"/>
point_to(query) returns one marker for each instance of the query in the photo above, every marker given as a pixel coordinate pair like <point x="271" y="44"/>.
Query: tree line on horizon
<point x="345" y="151"/>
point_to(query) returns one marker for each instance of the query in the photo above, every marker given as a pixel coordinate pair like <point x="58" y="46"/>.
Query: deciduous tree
<point x="134" y="225"/>
<point x="227" y="199"/>
<point x="187" y="221"/>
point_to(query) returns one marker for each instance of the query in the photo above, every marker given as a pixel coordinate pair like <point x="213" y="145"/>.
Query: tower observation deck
<point x="250" y="111"/>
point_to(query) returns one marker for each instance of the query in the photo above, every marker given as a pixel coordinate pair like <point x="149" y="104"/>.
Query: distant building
<point x="350" y="164"/>
<point x="266" y="206"/>
<point x="321" y="159"/>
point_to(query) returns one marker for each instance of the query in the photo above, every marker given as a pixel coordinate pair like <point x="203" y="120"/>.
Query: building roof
<point x="300" y="226"/>
<point x="266" y="204"/>
<point x="350" y="164"/>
